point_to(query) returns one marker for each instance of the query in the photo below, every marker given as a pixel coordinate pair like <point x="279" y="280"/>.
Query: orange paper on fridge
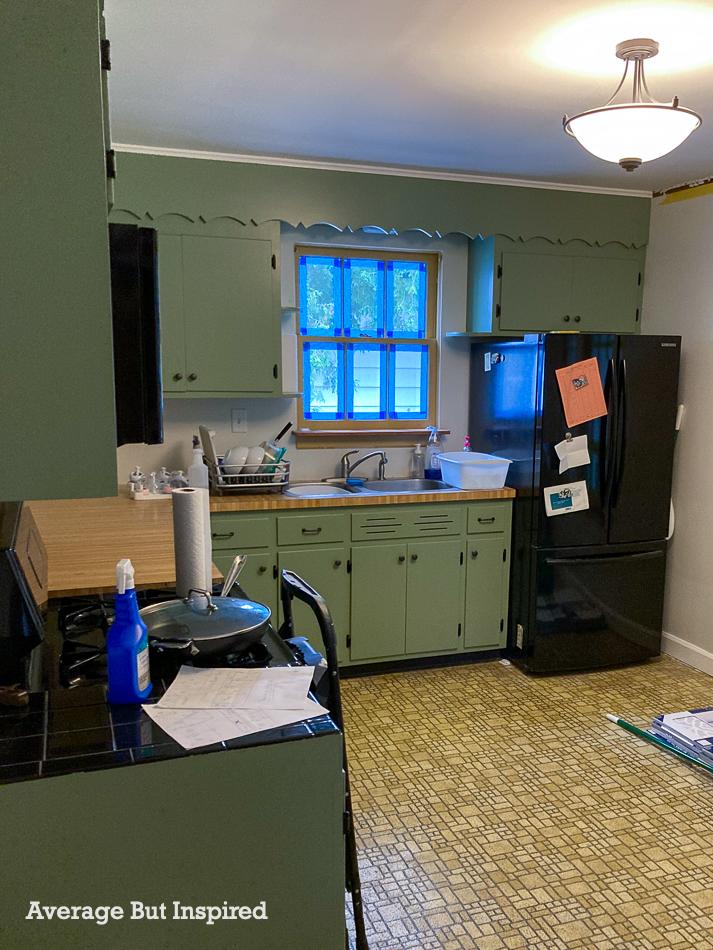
<point x="581" y="390"/>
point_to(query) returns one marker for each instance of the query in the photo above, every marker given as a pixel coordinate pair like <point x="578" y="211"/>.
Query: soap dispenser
<point x="418" y="464"/>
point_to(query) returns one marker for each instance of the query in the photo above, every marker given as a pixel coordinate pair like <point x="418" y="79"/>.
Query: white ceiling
<point x="458" y="85"/>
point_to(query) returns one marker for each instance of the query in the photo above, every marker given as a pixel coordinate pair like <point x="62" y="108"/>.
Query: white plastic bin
<point x="473" y="469"/>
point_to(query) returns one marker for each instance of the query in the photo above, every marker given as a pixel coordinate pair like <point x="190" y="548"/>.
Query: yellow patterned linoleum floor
<point x="497" y="810"/>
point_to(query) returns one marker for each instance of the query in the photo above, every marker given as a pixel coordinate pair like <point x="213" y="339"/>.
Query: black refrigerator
<point x="587" y="587"/>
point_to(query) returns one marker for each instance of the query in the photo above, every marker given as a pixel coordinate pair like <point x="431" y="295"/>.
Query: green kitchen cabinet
<point x="242" y="826"/>
<point x="401" y="581"/>
<point x="434" y="596"/>
<point x="378" y="601"/>
<point x="220" y="309"/>
<point x="257" y="577"/>
<point x="57" y="419"/>
<point x="519" y="287"/>
<point x="326" y="570"/>
<point x="485" y="592"/>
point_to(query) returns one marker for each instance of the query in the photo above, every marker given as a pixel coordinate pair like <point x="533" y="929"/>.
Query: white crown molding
<point x="396" y="170"/>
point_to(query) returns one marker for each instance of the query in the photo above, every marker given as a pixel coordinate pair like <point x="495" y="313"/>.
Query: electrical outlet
<point x="239" y="420"/>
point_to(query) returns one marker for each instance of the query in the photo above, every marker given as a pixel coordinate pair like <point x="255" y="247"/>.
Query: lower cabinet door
<point x="378" y="603"/>
<point x="434" y="601"/>
<point x="484" y="593"/>
<point x="257" y="577"/>
<point x="325" y="569"/>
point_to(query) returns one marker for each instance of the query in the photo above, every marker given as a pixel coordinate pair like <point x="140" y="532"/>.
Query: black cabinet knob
<point x="402" y="558"/>
<point x="178" y="376"/>
<point x="577" y="318"/>
<point x="474" y="554"/>
<point x="337" y="563"/>
<point x="565" y="318"/>
<point x="262" y="569"/>
<point x="414" y="557"/>
<point x="192" y="377"/>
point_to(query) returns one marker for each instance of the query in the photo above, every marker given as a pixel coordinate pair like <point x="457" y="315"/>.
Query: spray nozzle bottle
<point x="127" y="647"/>
<point x="433" y="448"/>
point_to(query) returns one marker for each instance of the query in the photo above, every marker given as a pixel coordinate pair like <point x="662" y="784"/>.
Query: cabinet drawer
<point x="236" y="532"/>
<point x="487" y="518"/>
<point x="430" y="521"/>
<point x="312" y="529"/>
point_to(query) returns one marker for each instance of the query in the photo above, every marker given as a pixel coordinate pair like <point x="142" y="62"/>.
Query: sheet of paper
<point x="581" y="390"/>
<point x="572" y="453"/>
<point x="566" y="499"/>
<point x="282" y="687"/>
<point x="197" y="727"/>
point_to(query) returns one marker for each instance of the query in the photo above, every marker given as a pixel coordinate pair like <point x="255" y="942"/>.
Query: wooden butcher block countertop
<point x="85" y="537"/>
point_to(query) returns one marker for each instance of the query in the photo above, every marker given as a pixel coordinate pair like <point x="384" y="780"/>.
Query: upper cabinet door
<point x="231" y="316"/>
<point x="173" y="336"/>
<point x="536" y="292"/>
<point x="606" y="295"/>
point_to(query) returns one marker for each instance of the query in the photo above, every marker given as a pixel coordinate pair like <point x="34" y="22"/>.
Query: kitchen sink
<point x="320" y="490"/>
<point x="403" y="486"/>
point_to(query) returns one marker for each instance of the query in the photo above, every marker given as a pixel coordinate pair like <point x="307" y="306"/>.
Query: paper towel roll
<point x="191" y="539"/>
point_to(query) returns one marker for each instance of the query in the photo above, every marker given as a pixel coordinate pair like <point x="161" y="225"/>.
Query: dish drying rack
<point x="266" y="477"/>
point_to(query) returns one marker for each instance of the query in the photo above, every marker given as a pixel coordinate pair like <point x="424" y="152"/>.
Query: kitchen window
<point x="367" y="327"/>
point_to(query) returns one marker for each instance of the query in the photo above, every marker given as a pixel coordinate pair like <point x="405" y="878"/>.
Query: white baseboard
<point x="687" y="652"/>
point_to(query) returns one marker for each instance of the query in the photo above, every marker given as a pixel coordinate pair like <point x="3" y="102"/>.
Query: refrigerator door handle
<point x="620" y="432"/>
<point x="608" y="457"/>
<point x="611" y="559"/>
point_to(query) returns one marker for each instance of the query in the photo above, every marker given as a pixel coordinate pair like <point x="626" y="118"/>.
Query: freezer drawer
<point x="595" y="607"/>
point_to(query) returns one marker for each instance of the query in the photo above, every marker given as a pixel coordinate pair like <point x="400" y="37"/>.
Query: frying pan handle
<point x="173" y="646"/>
<point x="292" y="586"/>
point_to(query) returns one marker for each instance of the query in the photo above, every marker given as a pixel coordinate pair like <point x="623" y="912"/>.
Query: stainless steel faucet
<point x="347" y="468"/>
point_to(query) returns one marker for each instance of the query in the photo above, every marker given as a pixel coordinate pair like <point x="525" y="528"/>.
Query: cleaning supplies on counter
<point x="466" y="444"/>
<point x="418" y="462"/>
<point x="433" y="450"/>
<point x="197" y="470"/>
<point x="127" y="648"/>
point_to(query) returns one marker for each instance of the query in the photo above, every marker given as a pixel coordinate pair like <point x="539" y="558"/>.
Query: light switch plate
<point x="239" y="420"/>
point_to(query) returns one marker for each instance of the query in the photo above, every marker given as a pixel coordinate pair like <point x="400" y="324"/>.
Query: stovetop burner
<point x="83" y="626"/>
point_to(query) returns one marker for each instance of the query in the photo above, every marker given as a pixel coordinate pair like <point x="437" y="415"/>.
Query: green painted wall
<point x="156" y="185"/>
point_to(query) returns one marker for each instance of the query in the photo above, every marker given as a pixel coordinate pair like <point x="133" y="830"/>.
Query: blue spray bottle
<point x="127" y="643"/>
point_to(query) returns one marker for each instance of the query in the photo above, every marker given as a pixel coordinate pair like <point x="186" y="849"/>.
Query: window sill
<point x="344" y="438"/>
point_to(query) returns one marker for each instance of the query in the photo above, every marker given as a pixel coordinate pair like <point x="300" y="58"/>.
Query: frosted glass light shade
<point x="639" y="131"/>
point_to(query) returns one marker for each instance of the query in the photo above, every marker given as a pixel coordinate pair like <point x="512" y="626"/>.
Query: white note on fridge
<point x="566" y="499"/>
<point x="282" y="687"/>
<point x="572" y="453"/>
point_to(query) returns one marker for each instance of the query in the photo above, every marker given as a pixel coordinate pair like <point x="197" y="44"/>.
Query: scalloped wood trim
<point x="476" y="235"/>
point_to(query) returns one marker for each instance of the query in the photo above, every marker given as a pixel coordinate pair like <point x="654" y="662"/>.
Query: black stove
<point x="83" y="624"/>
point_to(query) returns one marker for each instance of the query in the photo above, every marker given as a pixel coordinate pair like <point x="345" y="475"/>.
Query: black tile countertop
<point x="76" y="730"/>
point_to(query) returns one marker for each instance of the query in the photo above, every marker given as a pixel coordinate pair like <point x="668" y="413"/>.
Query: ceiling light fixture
<point x="637" y="131"/>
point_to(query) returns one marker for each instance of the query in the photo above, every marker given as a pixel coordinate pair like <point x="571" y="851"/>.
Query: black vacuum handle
<point x="292" y="586"/>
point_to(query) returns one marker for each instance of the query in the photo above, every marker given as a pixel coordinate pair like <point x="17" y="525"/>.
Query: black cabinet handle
<point x="192" y="377"/>
<point x="414" y="557"/>
<point x="178" y="376"/>
<point x="566" y="318"/>
<point x="311" y="530"/>
<point x="474" y="554"/>
<point x="486" y="520"/>
<point x="577" y="318"/>
<point x="222" y="536"/>
<point x="337" y="563"/>
<point x="275" y="371"/>
<point x="402" y="558"/>
<point x="262" y="569"/>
